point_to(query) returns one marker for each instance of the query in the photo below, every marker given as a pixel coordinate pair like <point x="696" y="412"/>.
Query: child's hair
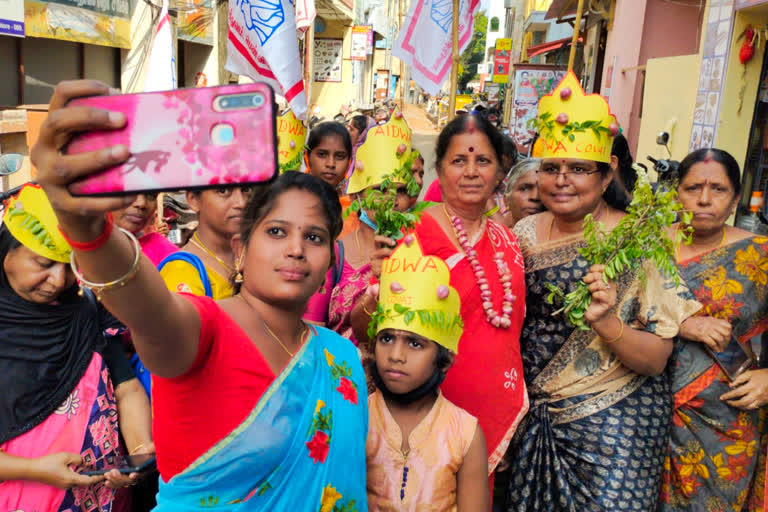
<point x="263" y="198"/>
<point x="360" y="122"/>
<point x="329" y="129"/>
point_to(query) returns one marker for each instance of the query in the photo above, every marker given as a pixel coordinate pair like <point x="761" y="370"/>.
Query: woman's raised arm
<point x="165" y="327"/>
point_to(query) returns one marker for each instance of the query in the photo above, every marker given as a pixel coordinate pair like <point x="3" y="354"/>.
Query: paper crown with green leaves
<point x="29" y="217"/>
<point x="386" y="152"/>
<point x="573" y="124"/>
<point x="291" y="134"/>
<point x="415" y="295"/>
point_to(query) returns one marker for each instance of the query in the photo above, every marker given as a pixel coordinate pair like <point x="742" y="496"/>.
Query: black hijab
<point x="44" y="350"/>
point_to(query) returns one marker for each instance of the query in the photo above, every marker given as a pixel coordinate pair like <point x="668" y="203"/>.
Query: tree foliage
<point x="475" y="52"/>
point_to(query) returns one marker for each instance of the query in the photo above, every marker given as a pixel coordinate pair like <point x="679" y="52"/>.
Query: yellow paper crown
<point x="291" y="134"/>
<point x="30" y="219"/>
<point x="384" y="152"/>
<point x="415" y="295"/>
<point x="572" y="124"/>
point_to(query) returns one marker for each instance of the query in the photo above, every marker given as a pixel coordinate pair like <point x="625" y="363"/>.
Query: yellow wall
<point x="537" y="5"/>
<point x="734" y="126"/>
<point x="668" y="104"/>
<point x="330" y="96"/>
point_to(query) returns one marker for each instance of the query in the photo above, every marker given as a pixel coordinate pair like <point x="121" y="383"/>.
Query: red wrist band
<point x="96" y="243"/>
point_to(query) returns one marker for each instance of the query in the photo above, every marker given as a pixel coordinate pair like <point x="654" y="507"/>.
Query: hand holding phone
<point x="140" y="463"/>
<point x="735" y="359"/>
<point x="183" y="139"/>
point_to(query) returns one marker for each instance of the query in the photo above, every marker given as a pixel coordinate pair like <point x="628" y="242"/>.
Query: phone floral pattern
<point x="717" y="452"/>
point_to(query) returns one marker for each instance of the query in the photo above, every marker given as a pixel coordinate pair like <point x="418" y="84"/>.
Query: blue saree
<point x="596" y="432"/>
<point x="302" y="448"/>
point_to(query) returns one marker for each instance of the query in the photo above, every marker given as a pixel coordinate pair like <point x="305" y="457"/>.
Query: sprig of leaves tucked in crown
<point x="389" y="222"/>
<point x="33" y="225"/>
<point x="435" y="319"/>
<point x="561" y="127"/>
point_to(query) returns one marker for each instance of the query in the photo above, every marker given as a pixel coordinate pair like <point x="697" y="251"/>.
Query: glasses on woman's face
<point x="569" y="170"/>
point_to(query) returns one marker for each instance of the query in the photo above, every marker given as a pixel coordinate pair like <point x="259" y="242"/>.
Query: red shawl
<point x="486" y="378"/>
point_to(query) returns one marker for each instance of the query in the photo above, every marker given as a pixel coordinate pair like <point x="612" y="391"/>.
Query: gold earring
<point x="239" y="267"/>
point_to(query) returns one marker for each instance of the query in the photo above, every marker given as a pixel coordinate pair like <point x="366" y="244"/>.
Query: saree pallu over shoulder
<point x="302" y="448"/>
<point x="596" y="433"/>
<point x="716" y="458"/>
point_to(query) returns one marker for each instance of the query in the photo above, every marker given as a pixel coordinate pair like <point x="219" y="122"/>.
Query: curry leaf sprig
<point x="381" y="201"/>
<point x="640" y="236"/>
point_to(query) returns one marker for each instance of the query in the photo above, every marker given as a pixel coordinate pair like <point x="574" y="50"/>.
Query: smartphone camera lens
<point x="258" y="100"/>
<point x="224" y="103"/>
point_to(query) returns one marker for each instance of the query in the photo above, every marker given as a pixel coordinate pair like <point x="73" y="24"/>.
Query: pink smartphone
<point x="184" y="139"/>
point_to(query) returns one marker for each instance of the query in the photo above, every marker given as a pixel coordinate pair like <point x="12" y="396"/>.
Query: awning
<point x="549" y="46"/>
<point x="560" y="9"/>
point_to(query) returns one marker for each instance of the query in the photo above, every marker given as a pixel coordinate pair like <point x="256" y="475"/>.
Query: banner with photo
<point x="12" y="18"/>
<point x="101" y="22"/>
<point x="532" y="81"/>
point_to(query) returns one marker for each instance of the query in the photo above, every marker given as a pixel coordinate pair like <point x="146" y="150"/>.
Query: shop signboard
<point x="101" y="22"/>
<point x="501" y="61"/>
<point x="359" y="42"/>
<point x="327" y="60"/>
<point x="12" y="18"/>
<point x="196" y="22"/>
<point x="531" y="83"/>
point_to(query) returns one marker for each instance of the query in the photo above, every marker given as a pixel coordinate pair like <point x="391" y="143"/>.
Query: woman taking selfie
<point x="64" y="385"/>
<point x="595" y="436"/>
<point x="251" y="404"/>
<point x="212" y="262"/>
<point x="718" y="427"/>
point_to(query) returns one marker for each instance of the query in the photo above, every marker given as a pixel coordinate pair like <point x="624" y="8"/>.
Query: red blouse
<point x="194" y="411"/>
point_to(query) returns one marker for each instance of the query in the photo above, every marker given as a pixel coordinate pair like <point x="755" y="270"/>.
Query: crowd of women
<point x="300" y="360"/>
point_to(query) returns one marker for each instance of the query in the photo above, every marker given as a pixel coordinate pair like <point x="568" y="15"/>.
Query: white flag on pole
<point x="425" y="41"/>
<point x="262" y="44"/>
<point x="305" y="14"/>
<point x="161" y="68"/>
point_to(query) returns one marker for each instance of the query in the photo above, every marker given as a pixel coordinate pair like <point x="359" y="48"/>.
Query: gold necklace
<point x="680" y="244"/>
<point x="196" y="240"/>
<point x="301" y="337"/>
<point x="271" y="332"/>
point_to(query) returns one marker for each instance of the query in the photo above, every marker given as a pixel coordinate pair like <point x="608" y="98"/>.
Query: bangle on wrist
<point x="621" y="332"/>
<point x="96" y="243"/>
<point x="99" y="288"/>
<point x="492" y="211"/>
<point x="133" y="452"/>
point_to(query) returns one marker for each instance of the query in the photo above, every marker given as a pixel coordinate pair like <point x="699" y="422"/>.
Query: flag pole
<point x="455" y="59"/>
<point x="575" y="39"/>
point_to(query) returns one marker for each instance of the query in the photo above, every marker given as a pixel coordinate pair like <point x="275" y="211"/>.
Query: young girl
<point x="424" y="453"/>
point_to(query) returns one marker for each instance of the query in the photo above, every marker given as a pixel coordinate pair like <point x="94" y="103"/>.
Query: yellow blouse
<point x="437" y="448"/>
<point x="180" y="276"/>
